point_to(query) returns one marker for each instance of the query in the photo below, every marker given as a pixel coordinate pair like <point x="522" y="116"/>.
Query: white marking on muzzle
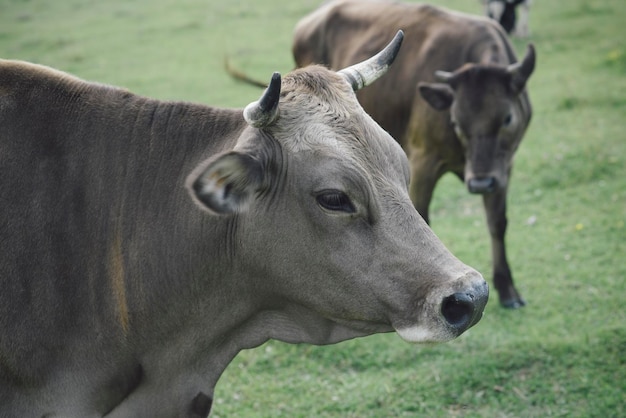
<point x="422" y="334"/>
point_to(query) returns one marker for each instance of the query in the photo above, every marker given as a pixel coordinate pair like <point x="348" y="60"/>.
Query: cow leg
<point x="521" y="27"/>
<point x="495" y="207"/>
<point x="425" y="172"/>
<point x="495" y="9"/>
<point x="179" y="400"/>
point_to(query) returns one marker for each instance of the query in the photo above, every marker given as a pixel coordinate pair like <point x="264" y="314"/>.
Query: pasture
<point x="564" y="354"/>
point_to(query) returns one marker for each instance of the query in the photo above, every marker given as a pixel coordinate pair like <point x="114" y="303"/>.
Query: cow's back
<point x="343" y="32"/>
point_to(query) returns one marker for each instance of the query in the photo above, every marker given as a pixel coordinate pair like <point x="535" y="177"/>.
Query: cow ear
<point x="439" y="96"/>
<point x="228" y="183"/>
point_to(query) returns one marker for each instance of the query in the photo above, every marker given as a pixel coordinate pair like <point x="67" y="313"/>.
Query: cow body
<point x="469" y="122"/>
<point x="145" y="243"/>
<point x="505" y="13"/>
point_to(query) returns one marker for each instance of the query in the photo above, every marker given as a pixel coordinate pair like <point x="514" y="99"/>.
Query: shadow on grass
<point x="556" y="378"/>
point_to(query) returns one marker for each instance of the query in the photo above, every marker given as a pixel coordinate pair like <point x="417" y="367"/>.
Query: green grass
<point x="562" y="355"/>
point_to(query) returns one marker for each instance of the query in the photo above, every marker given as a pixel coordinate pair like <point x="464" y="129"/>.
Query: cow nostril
<point x="482" y="185"/>
<point x="458" y="310"/>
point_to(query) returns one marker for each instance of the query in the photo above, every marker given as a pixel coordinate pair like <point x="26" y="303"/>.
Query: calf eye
<point x="336" y="201"/>
<point x="507" y="119"/>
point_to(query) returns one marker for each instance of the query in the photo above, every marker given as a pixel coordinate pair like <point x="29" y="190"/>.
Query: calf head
<point x="326" y="234"/>
<point x="486" y="115"/>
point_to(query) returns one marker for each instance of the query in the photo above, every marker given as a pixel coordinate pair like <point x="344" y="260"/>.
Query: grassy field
<point x="562" y="355"/>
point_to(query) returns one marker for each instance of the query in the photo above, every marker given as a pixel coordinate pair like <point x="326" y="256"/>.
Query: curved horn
<point x="264" y="111"/>
<point x="521" y="71"/>
<point x="366" y="72"/>
<point x="444" y="76"/>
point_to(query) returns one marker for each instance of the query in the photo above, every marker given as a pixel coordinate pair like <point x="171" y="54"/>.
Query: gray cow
<point x="145" y="243"/>
<point x="468" y="121"/>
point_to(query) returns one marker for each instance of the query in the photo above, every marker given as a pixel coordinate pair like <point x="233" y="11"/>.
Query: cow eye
<point x="507" y="119"/>
<point x="336" y="201"/>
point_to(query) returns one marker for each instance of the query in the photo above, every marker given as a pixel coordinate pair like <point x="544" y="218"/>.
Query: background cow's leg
<point x="495" y="9"/>
<point x="521" y="27"/>
<point x="495" y="207"/>
<point x="425" y="172"/>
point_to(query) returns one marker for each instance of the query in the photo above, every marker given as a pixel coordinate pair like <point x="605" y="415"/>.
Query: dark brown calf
<point x="455" y="100"/>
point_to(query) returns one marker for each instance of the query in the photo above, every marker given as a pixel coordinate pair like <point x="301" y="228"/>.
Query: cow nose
<point x="463" y="310"/>
<point x="482" y="185"/>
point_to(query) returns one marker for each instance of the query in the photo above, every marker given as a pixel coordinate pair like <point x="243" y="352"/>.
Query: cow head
<point x="486" y="115"/>
<point x="326" y="235"/>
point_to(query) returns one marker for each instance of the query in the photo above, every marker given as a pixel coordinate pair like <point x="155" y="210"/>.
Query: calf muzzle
<point x="482" y="185"/>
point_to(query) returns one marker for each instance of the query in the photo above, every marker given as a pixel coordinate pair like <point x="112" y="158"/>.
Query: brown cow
<point x="455" y="100"/>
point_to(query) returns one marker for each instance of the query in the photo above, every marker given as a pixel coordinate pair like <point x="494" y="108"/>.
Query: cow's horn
<point x="366" y="72"/>
<point x="264" y="111"/>
<point x="521" y="71"/>
<point x="444" y="76"/>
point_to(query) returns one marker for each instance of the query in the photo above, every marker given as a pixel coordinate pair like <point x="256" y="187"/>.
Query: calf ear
<point x="228" y="183"/>
<point x="439" y="96"/>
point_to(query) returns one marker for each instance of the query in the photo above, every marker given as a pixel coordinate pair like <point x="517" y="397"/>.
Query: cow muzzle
<point x="482" y="185"/>
<point x="463" y="310"/>
<point x="449" y="316"/>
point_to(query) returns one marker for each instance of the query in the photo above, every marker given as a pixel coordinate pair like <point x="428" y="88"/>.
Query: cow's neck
<point x="169" y="265"/>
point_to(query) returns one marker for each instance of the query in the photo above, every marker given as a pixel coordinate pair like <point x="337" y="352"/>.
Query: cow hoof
<point x="513" y="303"/>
